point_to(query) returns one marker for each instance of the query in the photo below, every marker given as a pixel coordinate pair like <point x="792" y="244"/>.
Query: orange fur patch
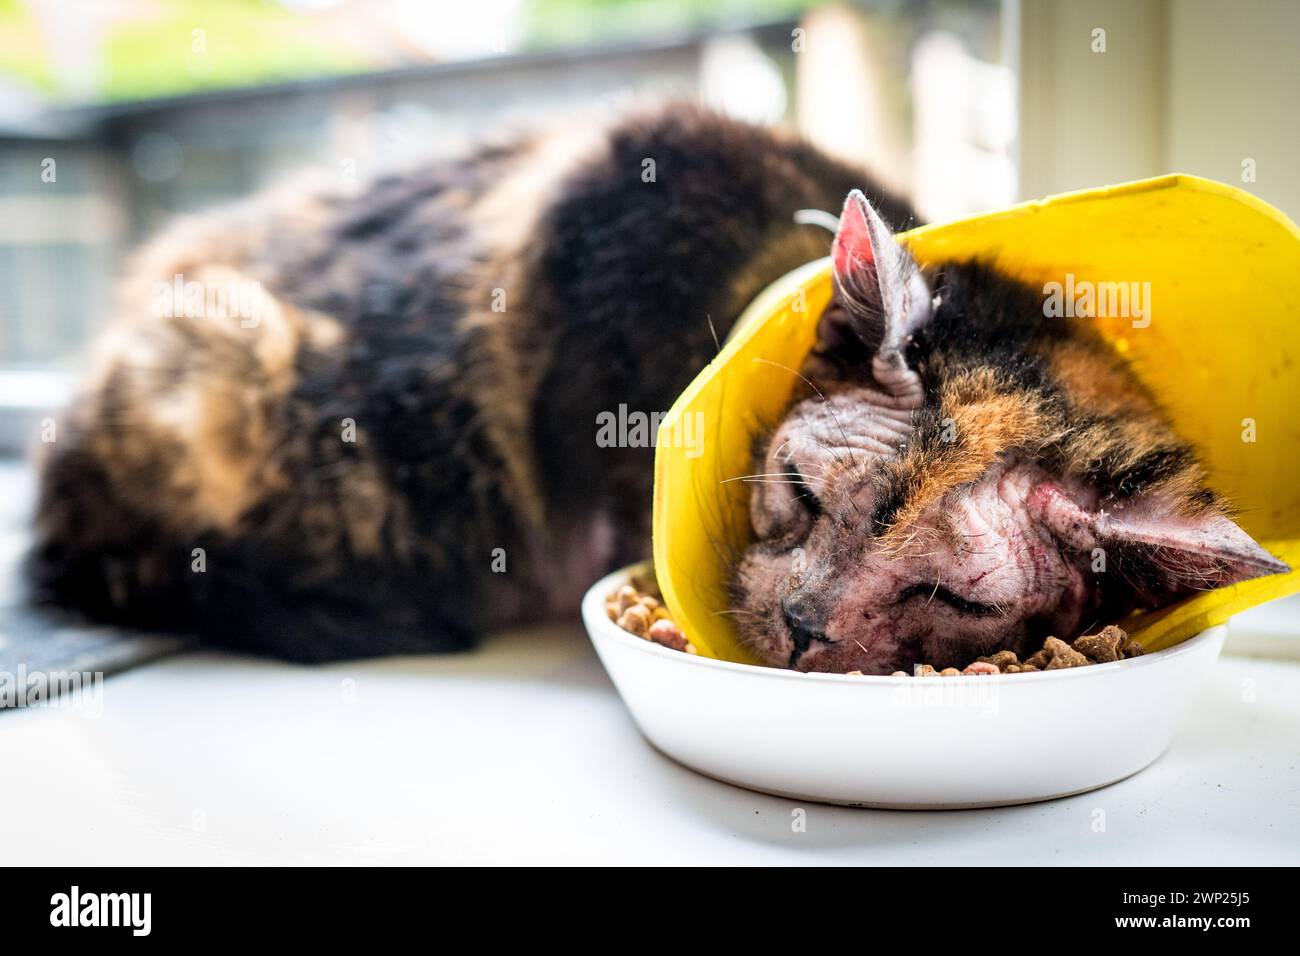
<point x="986" y="420"/>
<point x="1127" y="424"/>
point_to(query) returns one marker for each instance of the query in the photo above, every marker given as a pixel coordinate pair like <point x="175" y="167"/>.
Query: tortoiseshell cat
<point x="397" y="451"/>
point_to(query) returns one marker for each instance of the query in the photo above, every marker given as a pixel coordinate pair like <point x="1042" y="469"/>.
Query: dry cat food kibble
<point x="1111" y="643"/>
<point x="638" y="609"/>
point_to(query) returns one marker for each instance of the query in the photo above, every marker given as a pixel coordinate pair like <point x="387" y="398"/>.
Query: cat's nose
<point x="806" y="624"/>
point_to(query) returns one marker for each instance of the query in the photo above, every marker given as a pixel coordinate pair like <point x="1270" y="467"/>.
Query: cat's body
<point x="398" y="449"/>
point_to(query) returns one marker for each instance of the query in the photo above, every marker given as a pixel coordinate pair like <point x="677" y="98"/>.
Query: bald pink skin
<point x="880" y="611"/>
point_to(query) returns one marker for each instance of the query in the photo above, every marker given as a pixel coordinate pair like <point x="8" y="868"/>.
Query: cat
<point x="381" y="438"/>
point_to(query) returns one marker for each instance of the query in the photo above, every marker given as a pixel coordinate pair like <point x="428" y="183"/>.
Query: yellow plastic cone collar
<point x="1220" y="349"/>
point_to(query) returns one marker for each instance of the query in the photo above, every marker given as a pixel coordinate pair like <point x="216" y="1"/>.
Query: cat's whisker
<point x="716" y="343"/>
<point x="770" y="474"/>
<point x="795" y="374"/>
<point x="937" y="581"/>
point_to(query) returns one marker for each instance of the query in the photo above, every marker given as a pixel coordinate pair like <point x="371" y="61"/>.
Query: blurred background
<point x="117" y="114"/>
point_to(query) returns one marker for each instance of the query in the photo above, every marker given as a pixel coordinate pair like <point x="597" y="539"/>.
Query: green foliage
<point x="199" y="45"/>
<point x="159" y="52"/>
<point x="572" y="22"/>
<point x="22" y="56"/>
<point x="152" y="48"/>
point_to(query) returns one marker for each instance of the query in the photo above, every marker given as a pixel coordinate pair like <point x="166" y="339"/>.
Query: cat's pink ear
<point x="881" y="290"/>
<point x="1161" y="551"/>
<point x="854" y="247"/>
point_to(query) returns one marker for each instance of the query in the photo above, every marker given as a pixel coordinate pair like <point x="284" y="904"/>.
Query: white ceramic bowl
<point x="903" y="742"/>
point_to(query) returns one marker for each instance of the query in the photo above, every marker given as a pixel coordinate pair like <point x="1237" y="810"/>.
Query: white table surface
<point x="523" y="753"/>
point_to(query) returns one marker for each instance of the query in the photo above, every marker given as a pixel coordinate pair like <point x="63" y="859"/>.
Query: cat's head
<point x="964" y="474"/>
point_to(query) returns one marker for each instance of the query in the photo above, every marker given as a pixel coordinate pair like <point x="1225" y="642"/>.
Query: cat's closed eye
<point x="806" y="495"/>
<point x="937" y="592"/>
